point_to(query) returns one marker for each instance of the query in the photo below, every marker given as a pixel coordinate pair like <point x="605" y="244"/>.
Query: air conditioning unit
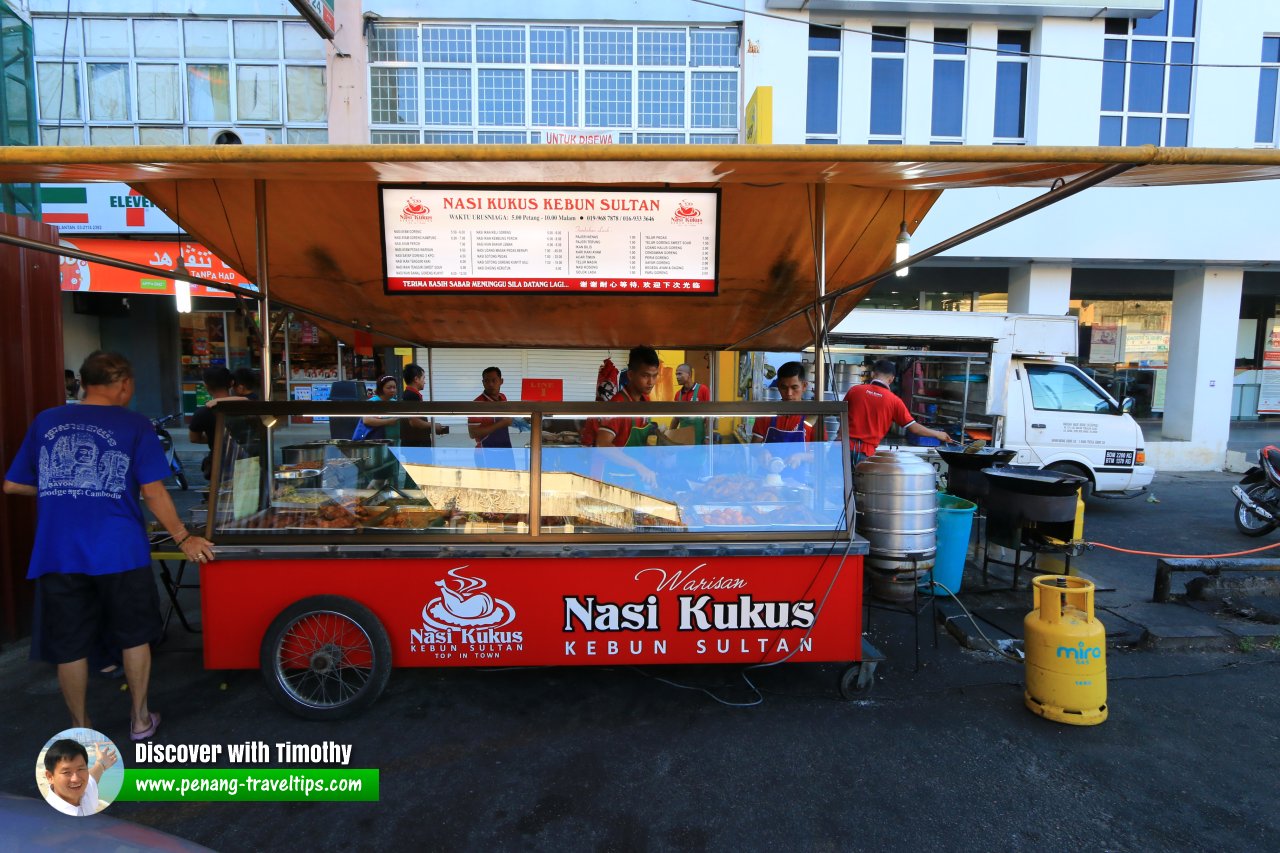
<point x="242" y="136"/>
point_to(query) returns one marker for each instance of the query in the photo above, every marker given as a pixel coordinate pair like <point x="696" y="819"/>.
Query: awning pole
<point x="1056" y="194"/>
<point x="820" y="321"/>
<point x="264" y="306"/>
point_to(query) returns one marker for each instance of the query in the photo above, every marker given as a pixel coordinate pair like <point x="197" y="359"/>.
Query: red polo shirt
<point x="697" y="394"/>
<point x="873" y="408"/>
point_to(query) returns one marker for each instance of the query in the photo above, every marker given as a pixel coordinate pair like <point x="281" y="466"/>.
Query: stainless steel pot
<point x="897" y="507"/>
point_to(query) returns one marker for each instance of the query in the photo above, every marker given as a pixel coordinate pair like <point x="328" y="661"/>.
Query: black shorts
<point x="121" y="609"/>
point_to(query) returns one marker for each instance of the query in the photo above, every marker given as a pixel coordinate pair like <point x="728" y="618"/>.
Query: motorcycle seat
<point x="1271" y="459"/>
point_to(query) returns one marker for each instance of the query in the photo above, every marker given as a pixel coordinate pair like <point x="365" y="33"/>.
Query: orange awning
<point x="325" y="252"/>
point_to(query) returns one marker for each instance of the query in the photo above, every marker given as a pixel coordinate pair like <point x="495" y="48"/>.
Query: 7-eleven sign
<point x="101" y="209"/>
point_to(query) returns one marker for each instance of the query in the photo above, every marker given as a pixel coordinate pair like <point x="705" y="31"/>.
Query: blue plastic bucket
<point x="955" y="520"/>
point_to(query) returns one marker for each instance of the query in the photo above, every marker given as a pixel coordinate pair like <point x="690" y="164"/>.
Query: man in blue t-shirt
<point x="88" y="462"/>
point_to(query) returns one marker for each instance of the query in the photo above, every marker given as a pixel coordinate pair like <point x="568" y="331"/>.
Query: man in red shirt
<point x="873" y="408"/>
<point x="791" y="386"/>
<point x="490" y="432"/>
<point x="492" y="435"/>
<point x="786" y="429"/>
<point x="690" y="391"/>
<point x="643" y="367"/>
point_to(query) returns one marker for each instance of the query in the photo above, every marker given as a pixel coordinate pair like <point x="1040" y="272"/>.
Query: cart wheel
<point x="325" y="657"/>
<point x="857" y="681"/>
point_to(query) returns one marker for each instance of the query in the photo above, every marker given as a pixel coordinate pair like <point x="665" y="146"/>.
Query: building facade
<point x="1171" y="268"/>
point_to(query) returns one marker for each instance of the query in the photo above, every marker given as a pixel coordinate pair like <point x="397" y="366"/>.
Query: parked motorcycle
<point x="1258" y="495"/>
<point x="170" y="455"/>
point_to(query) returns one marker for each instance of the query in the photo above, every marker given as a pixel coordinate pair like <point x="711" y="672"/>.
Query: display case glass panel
<point x="627" y="474"/>
<point x="548" y="470"/>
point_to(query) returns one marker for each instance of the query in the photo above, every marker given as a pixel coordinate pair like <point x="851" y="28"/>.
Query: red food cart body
<point x="539" y="611"/>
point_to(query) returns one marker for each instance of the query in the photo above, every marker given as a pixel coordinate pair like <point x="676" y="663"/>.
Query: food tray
<point x="314" y="528"/>
<point x="298" y="473"/>
<point x="423" y="518"/>
<point x="259" y="522"/>
<point x="315" y="498"/>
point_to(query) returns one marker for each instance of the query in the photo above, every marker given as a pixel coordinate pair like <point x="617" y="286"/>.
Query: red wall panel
<point x="30" y="381"/>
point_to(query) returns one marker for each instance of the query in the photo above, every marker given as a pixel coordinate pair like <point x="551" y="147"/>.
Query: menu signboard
<point x="555" y="241"/>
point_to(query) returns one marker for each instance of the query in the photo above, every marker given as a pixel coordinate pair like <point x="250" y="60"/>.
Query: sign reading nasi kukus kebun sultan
<point x="546" y="611"/>
<point x="552" y="241"/>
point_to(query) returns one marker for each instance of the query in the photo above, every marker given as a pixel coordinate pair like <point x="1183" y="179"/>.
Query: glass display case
<point x="549" y="471"/>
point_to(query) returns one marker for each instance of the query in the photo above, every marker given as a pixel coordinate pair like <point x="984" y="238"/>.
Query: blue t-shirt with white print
<point x="88" y="463"/>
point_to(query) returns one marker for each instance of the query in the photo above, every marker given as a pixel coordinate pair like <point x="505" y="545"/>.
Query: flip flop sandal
<point x="147" y="733"/>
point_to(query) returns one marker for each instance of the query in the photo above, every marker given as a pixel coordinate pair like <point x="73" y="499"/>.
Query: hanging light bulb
<point x="182" y="289"/>
<point x="902" y="250"/>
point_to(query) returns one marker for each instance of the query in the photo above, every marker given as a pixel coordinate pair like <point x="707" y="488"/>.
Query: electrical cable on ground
<point x="995" y="648"/>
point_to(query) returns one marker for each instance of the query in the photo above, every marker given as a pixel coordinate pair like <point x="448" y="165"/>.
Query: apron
<point x="784" y="436"/>
<point x="699" y="424"/>
<point x="637" y="436"/>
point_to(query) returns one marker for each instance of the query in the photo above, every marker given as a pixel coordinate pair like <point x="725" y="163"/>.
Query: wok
<point x="985" y="457"/>
<point x="1026" y="480"/>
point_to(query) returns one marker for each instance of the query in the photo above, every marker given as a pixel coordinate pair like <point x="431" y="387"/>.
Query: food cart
<point x="336" y="563"/>
<point x="338" y="560"/>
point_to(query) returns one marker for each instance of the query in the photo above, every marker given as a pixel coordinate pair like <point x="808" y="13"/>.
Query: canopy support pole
<point x="1056" y="194"/>
<point x="264" y="306"/>
<point x="820" y="277"/>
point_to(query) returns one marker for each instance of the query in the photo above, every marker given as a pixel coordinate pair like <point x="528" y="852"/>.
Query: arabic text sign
<point x="556" y="241"/>
<point x="82" y="276"/>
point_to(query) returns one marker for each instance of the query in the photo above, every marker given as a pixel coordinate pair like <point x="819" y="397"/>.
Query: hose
<point x="1179" y="556"/>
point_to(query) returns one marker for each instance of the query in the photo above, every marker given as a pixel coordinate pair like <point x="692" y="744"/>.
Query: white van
<point x="1003" y="377"/>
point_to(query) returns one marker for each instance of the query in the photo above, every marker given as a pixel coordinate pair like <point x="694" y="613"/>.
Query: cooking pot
<point x="366" y="454"/>
<point x="312" y="454"/>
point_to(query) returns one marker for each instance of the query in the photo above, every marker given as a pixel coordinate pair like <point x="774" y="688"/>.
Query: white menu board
<point x="539" y="240"/>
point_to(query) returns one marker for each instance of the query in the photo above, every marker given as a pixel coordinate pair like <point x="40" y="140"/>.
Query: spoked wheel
<point x="1246" y="521"/>
<point x="326" y="657"/>
<point x="858" y="680"/>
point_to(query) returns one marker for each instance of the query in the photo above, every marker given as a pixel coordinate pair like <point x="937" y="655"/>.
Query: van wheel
<point x="1086" y="491"/>
<point x="326" y="657"/>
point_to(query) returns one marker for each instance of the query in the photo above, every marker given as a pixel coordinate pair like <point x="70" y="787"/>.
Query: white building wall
<point x="1224" y="100"/>
<point x="782" y="62"/>
<point x="1065" y="94"/>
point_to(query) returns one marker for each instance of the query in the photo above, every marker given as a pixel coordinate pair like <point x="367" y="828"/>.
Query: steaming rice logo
<point x="414" y="209"/>
<point x="686" y="214"/>
<point x="462" y="605"/>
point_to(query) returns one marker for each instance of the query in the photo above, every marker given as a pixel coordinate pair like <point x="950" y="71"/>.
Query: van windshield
<point x="1059" y="388"/>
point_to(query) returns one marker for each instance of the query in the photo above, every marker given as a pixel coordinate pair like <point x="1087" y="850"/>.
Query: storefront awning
<point x="325" y="250"/>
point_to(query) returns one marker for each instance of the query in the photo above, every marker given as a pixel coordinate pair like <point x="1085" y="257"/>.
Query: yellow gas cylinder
<point x="1066" y="653"/>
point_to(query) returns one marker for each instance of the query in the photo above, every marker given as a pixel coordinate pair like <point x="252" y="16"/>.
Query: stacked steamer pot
<point x="897" y="510"/>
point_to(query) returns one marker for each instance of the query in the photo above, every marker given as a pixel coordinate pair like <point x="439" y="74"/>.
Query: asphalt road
<point x="946" y="758"/>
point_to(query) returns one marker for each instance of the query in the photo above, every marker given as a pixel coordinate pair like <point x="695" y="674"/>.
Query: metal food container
<point x="897" y="510"/>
